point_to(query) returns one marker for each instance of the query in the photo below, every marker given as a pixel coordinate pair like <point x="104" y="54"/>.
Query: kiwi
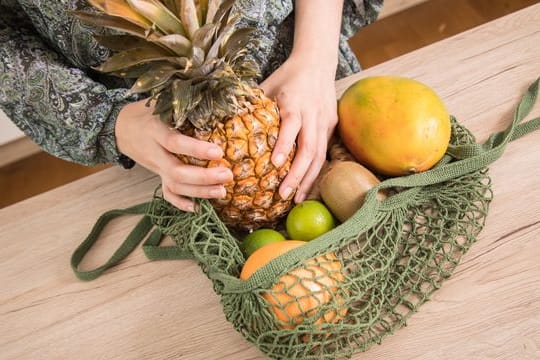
<point x="343" y="188"/>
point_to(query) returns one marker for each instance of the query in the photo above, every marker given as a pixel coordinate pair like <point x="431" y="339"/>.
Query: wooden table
<point x="490" y="309"/>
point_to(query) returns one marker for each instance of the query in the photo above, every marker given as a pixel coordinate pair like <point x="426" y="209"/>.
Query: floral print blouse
<point x="50" y="91"/>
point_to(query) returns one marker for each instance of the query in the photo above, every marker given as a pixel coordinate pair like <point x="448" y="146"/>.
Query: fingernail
<point x="215" y="153"/>
<point x="190" y="208"/>
<point x="286" y="193"/>
<point x="279" y="159"/>
<point x="218" y="193"/>
<point x="300" y="198"/>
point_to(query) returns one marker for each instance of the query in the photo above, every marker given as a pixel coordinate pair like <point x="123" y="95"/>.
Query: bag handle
<point x="150" y="247"/>
<point x="154" y="251"/>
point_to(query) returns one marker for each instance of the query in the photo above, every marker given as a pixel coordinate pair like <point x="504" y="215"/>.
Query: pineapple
<point x="191" y="57"/>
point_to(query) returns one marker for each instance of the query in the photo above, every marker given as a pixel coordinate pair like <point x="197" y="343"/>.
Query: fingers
<point x="198" y="191"/>
<point x="196" y="175"/>
<point x="311" y="133"/>
<point x="313" y="171"/>
<point x="178" y="201"/>
<point x="181" y="181"/>
<point x="290" y="126"/>
<point x="307" y="150"/>
<point x="176" y="143"/>
<point x="319" y="158"/>
<point x="178" y="194"/>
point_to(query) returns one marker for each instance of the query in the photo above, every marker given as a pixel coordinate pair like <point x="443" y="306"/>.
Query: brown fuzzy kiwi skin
<point x="344" y="187"/>
<point x="336" y="153"/>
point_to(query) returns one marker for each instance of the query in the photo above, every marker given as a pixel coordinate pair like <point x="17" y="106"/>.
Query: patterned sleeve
<point x="54" y="102"/>
<point x="359" y="13"/>
<point x="356" y="14"/>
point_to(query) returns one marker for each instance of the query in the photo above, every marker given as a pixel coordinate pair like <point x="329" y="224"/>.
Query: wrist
<point x="122" y="159"/>
<point x="324" y="63"/>
<point x="314" y="45"/>
<point x="120" y="128"/>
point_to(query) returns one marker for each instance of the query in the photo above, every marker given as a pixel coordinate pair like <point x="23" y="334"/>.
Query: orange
<point x="393" y="125"/>
<point x="309" y="220"/>
<point x="298" y="294"/>
<point x="266" y="254"/>
<point x="258" y="238"/>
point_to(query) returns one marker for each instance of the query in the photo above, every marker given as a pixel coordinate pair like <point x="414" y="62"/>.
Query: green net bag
<point x="348" y="289"/>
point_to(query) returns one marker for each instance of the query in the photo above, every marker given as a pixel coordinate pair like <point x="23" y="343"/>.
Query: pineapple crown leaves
<point x="188" y="54"/>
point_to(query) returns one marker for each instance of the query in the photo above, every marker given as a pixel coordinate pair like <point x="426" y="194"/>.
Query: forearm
<point x="65" y="112"/>
<point x="317" y="30"/>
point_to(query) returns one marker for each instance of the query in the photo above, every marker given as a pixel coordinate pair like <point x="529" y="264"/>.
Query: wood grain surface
<point x="394" y="6"/>
<point x="412" y="27"/>
<point x="489" y="309"/>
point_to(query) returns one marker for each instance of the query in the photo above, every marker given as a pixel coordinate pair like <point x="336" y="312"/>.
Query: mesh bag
<point x="348" y="289"/>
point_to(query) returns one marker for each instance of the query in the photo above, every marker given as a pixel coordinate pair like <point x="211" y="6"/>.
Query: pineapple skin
<point x="191" y="57"/>
<point x="247" y="139"/>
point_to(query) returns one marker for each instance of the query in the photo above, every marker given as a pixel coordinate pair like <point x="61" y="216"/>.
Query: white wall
<point x="8" y="131"/>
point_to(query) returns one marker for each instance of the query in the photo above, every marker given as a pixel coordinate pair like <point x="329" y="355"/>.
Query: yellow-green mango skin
<point x="394" y="125"/>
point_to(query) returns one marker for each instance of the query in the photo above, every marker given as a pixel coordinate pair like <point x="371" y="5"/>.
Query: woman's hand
<point x="152" y="144"/>
<point x="304" y="89"/>
<point x="306" y="97"/>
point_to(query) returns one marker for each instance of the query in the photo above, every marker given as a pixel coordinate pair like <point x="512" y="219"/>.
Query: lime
<point x="308" y="220"/>
<point x="258" y="238"/>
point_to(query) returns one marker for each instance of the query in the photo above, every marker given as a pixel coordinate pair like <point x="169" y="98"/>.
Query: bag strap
<point x="150" y="247"/>
<point x="154" y="251"/>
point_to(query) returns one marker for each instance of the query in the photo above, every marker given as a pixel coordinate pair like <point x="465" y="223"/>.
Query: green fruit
<point x="258" y="238"/>
<point x="309" y="220"/>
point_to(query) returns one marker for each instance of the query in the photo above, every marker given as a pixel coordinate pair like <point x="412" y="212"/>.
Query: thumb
<point x="268" y="87"/>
